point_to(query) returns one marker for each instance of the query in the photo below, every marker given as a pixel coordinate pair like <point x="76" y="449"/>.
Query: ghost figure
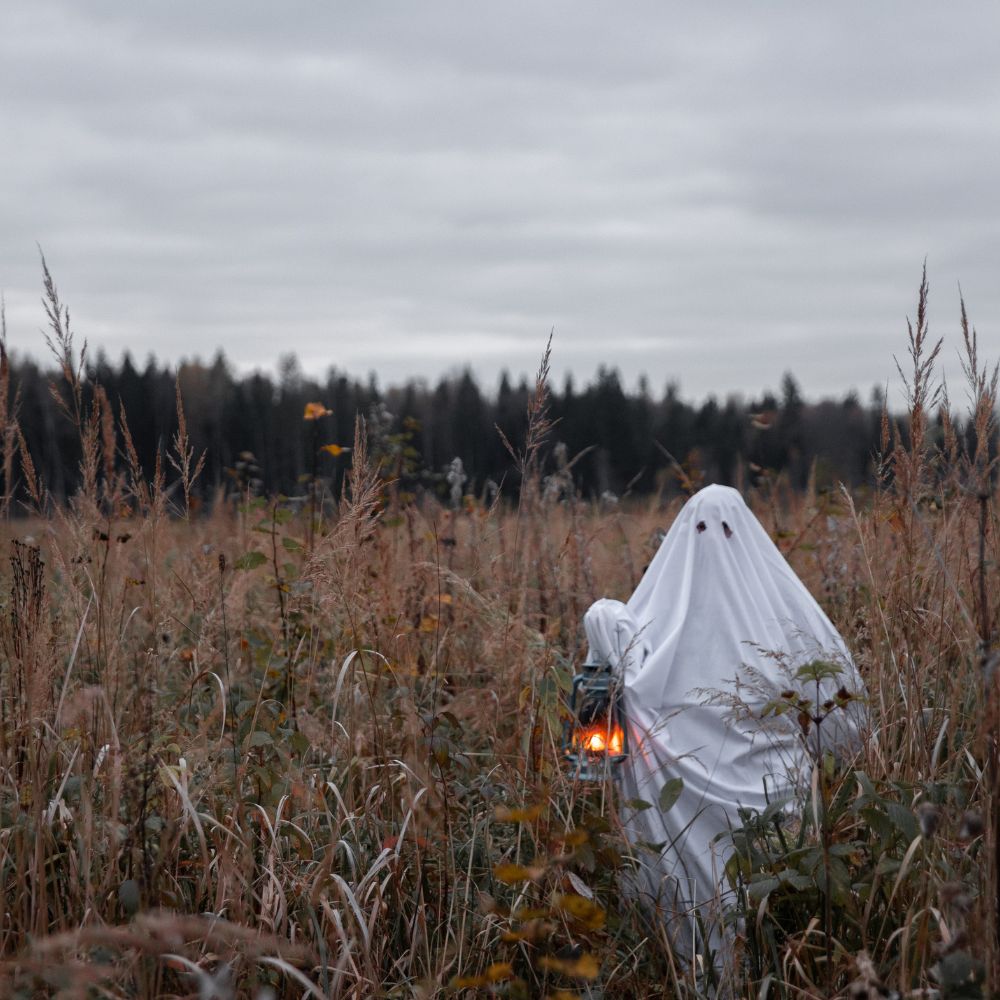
<point x="717" y="627"/>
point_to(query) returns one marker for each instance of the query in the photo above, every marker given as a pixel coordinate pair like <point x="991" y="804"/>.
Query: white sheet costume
<point x="718" y="602"/>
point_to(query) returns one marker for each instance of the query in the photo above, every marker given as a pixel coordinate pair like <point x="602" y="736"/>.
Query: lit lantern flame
<point x="594" y="738"/>
<point x="597" y="739"/>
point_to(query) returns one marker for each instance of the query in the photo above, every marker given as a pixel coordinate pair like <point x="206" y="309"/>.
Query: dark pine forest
<point x="608" y="439"/>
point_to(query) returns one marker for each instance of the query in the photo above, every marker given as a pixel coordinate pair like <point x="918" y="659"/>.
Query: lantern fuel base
<point x="594" y="740"/>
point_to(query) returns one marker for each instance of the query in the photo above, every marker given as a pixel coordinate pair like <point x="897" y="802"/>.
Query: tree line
<point x="605" y="438"/>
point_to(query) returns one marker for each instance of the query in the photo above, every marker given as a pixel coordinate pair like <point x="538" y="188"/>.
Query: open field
<point x="314" y="747"/>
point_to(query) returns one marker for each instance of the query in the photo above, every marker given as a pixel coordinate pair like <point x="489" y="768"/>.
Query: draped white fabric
<point x="716" y="628"/>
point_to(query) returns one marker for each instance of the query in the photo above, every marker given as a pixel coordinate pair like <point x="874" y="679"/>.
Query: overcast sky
<point x="705" y="193"/>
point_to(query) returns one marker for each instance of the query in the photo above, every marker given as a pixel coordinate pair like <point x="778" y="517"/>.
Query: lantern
<point x="594" y="739"/>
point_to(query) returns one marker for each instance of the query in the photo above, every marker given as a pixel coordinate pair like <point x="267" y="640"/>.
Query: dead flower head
<point x="972" y="825"/>
<point x="929" y="817"/>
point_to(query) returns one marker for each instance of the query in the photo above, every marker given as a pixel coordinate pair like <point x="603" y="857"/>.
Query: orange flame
<point x="597" y="739"/>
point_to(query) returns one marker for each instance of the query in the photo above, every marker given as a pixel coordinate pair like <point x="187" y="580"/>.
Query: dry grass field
<point x="285" y="748"/>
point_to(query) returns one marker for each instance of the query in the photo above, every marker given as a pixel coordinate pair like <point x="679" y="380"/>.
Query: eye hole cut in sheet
<point x="727" y="531"/>
<point x="717" y="626"/>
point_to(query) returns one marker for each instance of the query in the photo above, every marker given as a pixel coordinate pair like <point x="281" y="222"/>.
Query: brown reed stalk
<point x="8" y="420"/>
<point x="59" y="340"/>
<point x="182" y="456"/>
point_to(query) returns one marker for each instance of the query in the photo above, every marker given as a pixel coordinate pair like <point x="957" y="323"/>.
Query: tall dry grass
<point x="313" y="749"/>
